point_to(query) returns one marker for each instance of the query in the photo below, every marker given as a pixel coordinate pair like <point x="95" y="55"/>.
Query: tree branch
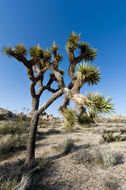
<point x="51" y="100"/>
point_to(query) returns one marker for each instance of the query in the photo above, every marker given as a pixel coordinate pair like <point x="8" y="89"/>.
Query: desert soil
<point x="63" y="173"/>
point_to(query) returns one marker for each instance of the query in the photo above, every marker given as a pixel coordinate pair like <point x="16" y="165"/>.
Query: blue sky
<point x="101" y="23"/>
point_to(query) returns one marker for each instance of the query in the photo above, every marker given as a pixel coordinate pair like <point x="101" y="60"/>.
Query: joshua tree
<point x="43" y="60"/>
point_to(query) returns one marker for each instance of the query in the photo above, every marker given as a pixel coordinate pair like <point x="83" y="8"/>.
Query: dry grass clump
<point x="107" y="158"/>
<point x="9" y="185"/>
<point x="111" y="184"/>
<point x="66" y="147"/>
<point x="11" y="144"/>
<point x="13" y="135"/>
<point x="14" y="127"/>
<point x="83" y="156"/>
<point x="97" y="155"/>
<point x="10" y="175"/>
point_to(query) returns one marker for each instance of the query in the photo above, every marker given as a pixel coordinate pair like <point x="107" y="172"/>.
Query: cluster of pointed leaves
<point x="19" y="49"/>
<point x="69" y="114"/>
<point x="70" y="117"/>
<point x="99" y="105"/>
<point x="90" y="73"/>
<point x="74" y="42"/>
<point x="35" y="52"/>
<point x="54" y="48"/>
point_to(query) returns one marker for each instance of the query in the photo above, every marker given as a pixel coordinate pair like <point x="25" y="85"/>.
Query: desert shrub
<point x="14" y="143"/>
<point x="83" y="119"/>
<point x="107" y="136"/>
<point x="106" y="157"/>
<point x="43" y="163"/>
<point x="14" y="127"/>
<point x="43" y="123"/>
<point x="66" y="147"/>
<point x="83" y="156"/>
<point x="9" y="185"/>
<point x="111" y="184"/>
<point x="97" y="155"/>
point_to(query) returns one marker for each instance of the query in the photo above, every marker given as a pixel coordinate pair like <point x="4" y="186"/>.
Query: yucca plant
<point x="90" y="53"/>
<point x="72" y="41"/>
<point x="99" y="105"/>
<point x="70" y="118"/>
<point x="83" y="118"/>
<point x="19" y="49"/>
<point x="89" y="73"/>
<point x="36" y="52"/>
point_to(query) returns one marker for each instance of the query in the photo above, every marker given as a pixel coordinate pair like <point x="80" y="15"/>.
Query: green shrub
<point x="107" y="136"/>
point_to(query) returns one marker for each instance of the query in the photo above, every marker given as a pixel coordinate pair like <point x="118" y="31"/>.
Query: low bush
<point x="12" y="144"/>
<point x="111" y="184"/>
<point x="97" y="155"/>
<point x="9" y="185"/>
<point x="83" y="156"/>
<point x="108" y="137"/>
<point x="83" y="119"/>
<point x="14" y="127"/>
<point x="66" y="147"/>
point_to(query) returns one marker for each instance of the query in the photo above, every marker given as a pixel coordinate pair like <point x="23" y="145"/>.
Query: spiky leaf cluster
<point x="8" y="51"/>
<point x="99" y="104"/>
<point x="70" y="117"/>
<point x="72" y="41"/>
<point x="36" y="52"/>
<point x="89" y="53"/>
<point x="47" y="55"/>
<point x="90" y="73"/>
<point x="19" y="49"/>
<point x="54" y="48"/>
<point x="69" y="114"/>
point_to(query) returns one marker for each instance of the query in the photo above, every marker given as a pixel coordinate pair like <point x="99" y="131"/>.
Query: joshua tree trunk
<point x="35" y="103"/>
<point x="30" y="152"/>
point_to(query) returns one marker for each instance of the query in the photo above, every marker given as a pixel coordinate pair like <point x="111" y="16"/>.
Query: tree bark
<point x="30" y="152"/>
<point x="35" y="103"/>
